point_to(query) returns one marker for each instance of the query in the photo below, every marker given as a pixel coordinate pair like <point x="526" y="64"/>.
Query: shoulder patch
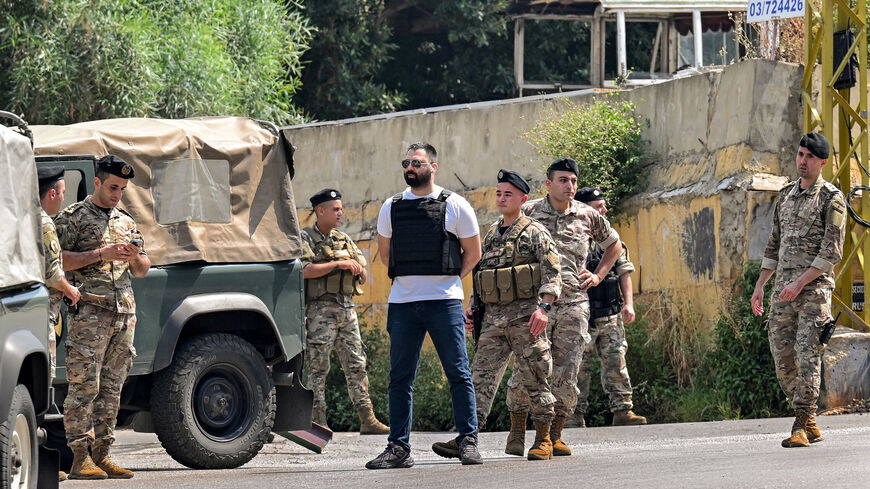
<point x="72" y="208"/>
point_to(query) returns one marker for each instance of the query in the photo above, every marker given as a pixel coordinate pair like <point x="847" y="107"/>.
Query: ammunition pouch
<point x="505" y="285"/>
<point x="336" y="282"/>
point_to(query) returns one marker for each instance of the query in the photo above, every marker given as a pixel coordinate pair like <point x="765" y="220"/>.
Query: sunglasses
<point x="414" y="163"/>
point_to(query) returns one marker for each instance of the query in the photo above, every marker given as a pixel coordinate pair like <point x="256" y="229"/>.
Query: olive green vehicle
<point x="220" y="315"/>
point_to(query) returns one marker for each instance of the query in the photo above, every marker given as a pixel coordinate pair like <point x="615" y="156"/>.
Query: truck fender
<point x="195" y="305"/>
<point x="18" y="346"/>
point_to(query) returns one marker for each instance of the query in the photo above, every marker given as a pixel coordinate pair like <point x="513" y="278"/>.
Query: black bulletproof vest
<point x="605" y="299"/>
<point x="421" y="244"/>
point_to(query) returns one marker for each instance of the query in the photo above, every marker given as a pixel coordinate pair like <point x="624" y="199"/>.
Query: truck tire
<point x="19" y="455"/>
<point x="214" y="406"/>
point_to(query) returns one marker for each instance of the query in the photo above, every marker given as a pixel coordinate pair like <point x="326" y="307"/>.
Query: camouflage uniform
<point x="332" y="320"/>
<point x="505" y="327"/>
<point x="808" y="231"/>
<point x="99" y="346"/>
<point x="53" y="276"/>
<point x="609" y="345"/>
<point x="567" y="329"/>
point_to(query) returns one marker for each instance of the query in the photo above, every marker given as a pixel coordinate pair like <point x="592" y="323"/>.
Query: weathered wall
<point x="717" y="138"/>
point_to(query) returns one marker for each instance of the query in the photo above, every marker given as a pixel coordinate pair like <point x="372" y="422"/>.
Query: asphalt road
<point x="724" y="454"/>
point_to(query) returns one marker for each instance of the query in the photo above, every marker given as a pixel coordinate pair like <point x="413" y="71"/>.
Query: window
<point x="191" y="190"/>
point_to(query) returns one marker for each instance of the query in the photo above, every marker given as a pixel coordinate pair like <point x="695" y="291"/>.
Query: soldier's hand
<point x="117" y="252"/>
<point x="757" y="301"/>
<point x="588" y="279"/>
<point x="351" y="265"/>
<point x="469" y="321"/>
<point x="72" y="293"/>
<point x="628" y="313"/>
<point x="790" y="292"/>
<point x="538" y="321"/>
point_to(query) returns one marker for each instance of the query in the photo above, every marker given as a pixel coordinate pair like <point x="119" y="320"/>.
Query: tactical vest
<point x="421" y="244"/>
<point x="337" y="281"/>
<point x="605" y="299"/>
<point x="504" y="275"/>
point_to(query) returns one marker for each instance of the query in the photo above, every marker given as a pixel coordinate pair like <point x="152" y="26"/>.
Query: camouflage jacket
<point x="51" y="247"/>
<point x="808" y="231"/>
<point x="314" y="250"/>
<point x="572" y="231"/>
<point x="533" y="245"/>
<point x="84" y="227"/>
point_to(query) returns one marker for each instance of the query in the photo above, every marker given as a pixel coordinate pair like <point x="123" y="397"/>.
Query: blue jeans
<point x="407" y="324"/>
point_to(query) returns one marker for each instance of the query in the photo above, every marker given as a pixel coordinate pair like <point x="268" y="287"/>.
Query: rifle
<point x="478" y="308"/>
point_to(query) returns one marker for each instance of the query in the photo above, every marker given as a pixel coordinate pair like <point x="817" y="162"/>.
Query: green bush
<point x="68" y="61"/>
<point x="605" y="139"/>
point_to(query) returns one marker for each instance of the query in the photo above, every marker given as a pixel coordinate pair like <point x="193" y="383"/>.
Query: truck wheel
<point x="19" y="456"/>
<point x="214" y="406"/>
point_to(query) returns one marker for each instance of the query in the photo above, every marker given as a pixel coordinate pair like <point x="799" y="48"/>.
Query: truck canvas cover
<point x="20" y="234"/>
<point x="211" y="189"/>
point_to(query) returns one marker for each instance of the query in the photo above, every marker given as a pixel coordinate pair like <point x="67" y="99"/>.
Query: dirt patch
<point x="859" y="406"/>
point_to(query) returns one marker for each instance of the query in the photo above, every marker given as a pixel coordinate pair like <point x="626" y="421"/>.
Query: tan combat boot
<point x="576" y="421"/>
<point x="369" y="424"/>
<point x="542" y="449"/>
<point x="560" y="449"/>
<point x="798" y="436"/>
<point x="516" y="442"/>
<point x="61" y="476"/>
<point x="83" y="467"/>
<point x="626" y="417"/>
<point x="104" y="461"/>
<point x="812" y="429"/>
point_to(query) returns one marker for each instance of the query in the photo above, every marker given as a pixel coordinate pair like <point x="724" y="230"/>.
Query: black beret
<point x="324" y="195"/>
<point x="817" y="144"/>
<point x="49" y="174"/>
<point x="514" y="179"/>
<point x="589" y="194"/>
<point x="564" y="164"/>
<point x="114" y="165"/>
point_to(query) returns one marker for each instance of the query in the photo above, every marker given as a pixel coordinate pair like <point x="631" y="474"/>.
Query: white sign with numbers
<point x="762" y="10"/>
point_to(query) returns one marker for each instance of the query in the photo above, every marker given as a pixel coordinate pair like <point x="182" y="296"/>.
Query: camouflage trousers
<point x="331" y="325"/>
<point x="505" y="330"/>
<point x="99" y="354"/>
<point x="568" y="334"/>
<point x="609" y="345"/>
<point x="793" y="330"/>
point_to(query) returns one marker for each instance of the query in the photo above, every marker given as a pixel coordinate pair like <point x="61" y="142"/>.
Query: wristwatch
<point x="545" y="306"/>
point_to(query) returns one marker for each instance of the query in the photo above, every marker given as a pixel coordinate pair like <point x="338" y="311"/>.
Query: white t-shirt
<point x="459" y="220"/>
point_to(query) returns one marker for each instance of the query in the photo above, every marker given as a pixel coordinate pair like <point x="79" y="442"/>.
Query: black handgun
<point x="70" y="308"/>
<point x="137" y="242"/>
<point x="828" y="330"/>
<point x="478" y="308"/>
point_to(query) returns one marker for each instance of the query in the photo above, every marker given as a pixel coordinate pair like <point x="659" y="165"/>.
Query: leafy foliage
<point x="604" y="137"/>
<point x="73" y="60"/>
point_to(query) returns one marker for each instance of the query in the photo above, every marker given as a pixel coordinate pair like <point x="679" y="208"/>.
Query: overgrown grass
<point x="680" y="372"/>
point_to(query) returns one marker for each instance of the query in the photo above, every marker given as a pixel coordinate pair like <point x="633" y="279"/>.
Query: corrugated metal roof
<point x="675" y="5"/>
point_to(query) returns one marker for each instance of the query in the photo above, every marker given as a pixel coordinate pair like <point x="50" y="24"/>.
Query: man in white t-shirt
<point x="430" y="239"/>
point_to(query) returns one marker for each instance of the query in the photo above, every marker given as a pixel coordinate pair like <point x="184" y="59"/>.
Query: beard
<point x="417" y="181"/>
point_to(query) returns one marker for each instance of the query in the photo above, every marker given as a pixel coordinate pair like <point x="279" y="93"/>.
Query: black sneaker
<point x="448" y="449"/>
<point x="468" y="453"/>
<point x="394" y="457"/>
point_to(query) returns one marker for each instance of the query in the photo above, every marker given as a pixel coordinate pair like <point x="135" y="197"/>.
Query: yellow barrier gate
<point x="841" y="115"/>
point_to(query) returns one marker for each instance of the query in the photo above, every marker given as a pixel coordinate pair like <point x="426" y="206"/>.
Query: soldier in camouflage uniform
<point x="334" y="270"/>
<point x="51" y="192"/>
<point x="572" y="225"/>
<point x="101" y="249"/>
<point x="517" y="281"/>
<point x="610" y="302"/>
<point x="805" y="244"/>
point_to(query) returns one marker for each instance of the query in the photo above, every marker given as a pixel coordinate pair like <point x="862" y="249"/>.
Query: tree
<point x="66" y="61"/>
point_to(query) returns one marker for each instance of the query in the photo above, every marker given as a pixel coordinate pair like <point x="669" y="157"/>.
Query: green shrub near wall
<point x="734" y="379"/>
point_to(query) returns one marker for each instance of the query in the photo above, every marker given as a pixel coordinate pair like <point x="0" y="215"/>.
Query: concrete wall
<point x="719" y="141"/>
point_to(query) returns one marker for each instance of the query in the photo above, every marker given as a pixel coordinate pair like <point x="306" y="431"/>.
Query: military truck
<point x="25" y="395"/>
<point x="220" y="315"/>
